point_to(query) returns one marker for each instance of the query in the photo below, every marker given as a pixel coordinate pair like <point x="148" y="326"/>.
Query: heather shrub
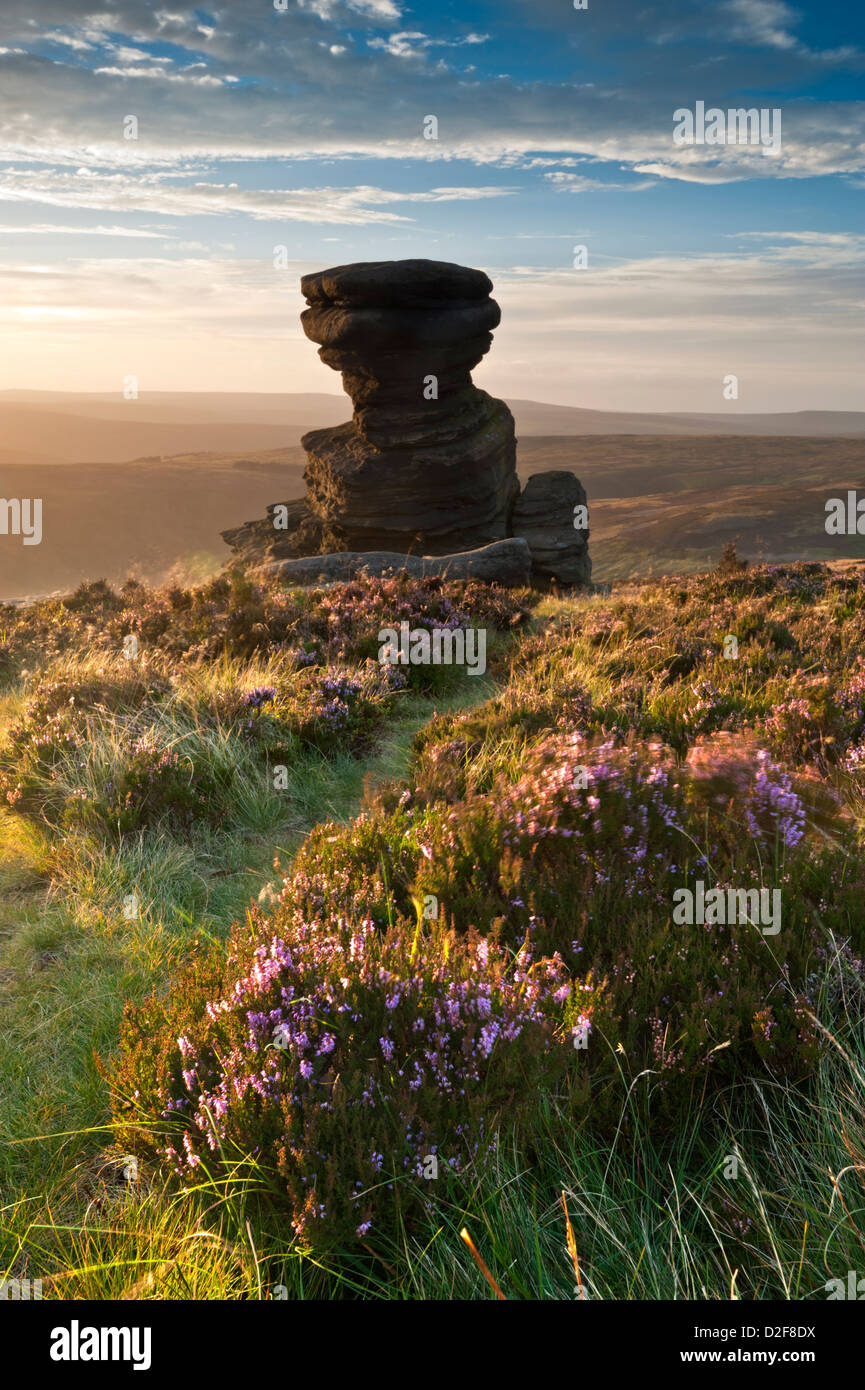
<point x="152" y="783"/>
<point x="508" y="914"/>
<point x="350" y="1038"/>
<point x="332" y="710"/>
<point x="115" y="753"/>
<point x="96" y="753"/>
<point x="362" y="871"/>
<point x="355" y="1064"/>
<point x="235" y="616"/>
<point x="42" y="768"/>
<point x="34" y="753"/>
<point x="582" y="855"/>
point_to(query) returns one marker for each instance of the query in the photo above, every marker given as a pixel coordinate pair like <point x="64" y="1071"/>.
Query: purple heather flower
<point x="260" y="695"/>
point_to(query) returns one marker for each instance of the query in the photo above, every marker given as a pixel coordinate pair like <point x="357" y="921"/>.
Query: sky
<point x="168" y="174"/>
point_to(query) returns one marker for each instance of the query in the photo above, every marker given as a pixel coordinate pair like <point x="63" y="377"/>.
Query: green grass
<point x="653" y="1213"/>
<point x="69" y="960"/>
<point x="649" y="1223"/>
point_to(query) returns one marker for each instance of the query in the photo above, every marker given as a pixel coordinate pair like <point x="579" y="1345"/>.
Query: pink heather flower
<point x="191" y="1155"/>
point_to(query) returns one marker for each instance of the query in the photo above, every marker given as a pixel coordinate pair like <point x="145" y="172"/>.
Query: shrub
<point x="582" y="855"/>
<point x="332" y="710"/>
<point x="345" y="1059"/>
<point x="89" y="753"/>
<point x="235" y="616"/>
<point x="332" y="1046"/>
<point x="549" y="830"/>
<point x="154" y="783"/>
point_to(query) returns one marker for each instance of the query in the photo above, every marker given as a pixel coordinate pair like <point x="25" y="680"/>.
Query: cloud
<point x="660" y="333"/>
<point x="412" y="44"/>
<point x="578" y="183"/>
<point x="57" y="229"/>
<point x="656" y="334"/>
<point x="768" y="23"/>
<point x="69" y="41"/>
<point x="114" y="192"/>
<point x="186" y="76"/>
<point x="329" y="9"/>
<point x="762" y="22"/>
<point x="817" y="250"/>
<point x="258" y="83"/>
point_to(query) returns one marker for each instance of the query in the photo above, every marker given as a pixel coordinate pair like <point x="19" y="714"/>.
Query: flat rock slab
<point x="507" y="562"/>
<point x="408" y="284"/>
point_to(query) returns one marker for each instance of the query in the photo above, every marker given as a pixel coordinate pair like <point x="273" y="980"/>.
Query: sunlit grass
<point x="654" y="1215"/>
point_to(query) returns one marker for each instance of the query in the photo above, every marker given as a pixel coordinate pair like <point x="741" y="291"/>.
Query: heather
<point x="236" y="616"/>
<point x="150" y="735"/>
<point x="349" y="1060"/>
<point x="566" y="874"/>
<point x="462" y="990"/>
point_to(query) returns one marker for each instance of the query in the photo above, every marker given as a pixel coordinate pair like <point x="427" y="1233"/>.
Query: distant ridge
<point x="101" y="427"/>
<point x="535" y="418"/>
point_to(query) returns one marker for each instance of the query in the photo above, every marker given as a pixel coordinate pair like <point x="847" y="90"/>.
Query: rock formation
<point x="550" y="514"/>
<point x="427" y="463"/>
<point x="507" y="562"/>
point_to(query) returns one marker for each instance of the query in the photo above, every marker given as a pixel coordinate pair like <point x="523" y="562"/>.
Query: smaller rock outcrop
<point x="288" y="530"/>
<point x="551" y="515"/>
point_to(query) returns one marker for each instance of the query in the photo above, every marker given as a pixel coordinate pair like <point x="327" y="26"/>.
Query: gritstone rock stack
<point x="427" y="457"/>
<point x="427" y="463"/>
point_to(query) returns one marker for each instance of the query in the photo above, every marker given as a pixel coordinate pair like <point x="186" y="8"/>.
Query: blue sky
<point x="302" y="128"/>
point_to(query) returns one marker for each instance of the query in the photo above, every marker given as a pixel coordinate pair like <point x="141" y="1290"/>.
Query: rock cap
<point x="407" y="284"/>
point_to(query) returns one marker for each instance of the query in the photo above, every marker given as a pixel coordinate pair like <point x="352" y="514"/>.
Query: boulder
<point x="506" y="562"/>
<point x="288" y="530"/>
<point x="544" y="515"/>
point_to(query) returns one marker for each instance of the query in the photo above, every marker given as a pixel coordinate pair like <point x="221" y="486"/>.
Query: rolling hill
<point x="146" y="487"/>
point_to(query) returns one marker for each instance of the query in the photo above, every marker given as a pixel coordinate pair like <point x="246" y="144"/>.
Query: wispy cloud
<point x="58" y="229"/>
<point x="412" y="44"/>
<point x="148" y="193"/>
<point x="670" y="326"/>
